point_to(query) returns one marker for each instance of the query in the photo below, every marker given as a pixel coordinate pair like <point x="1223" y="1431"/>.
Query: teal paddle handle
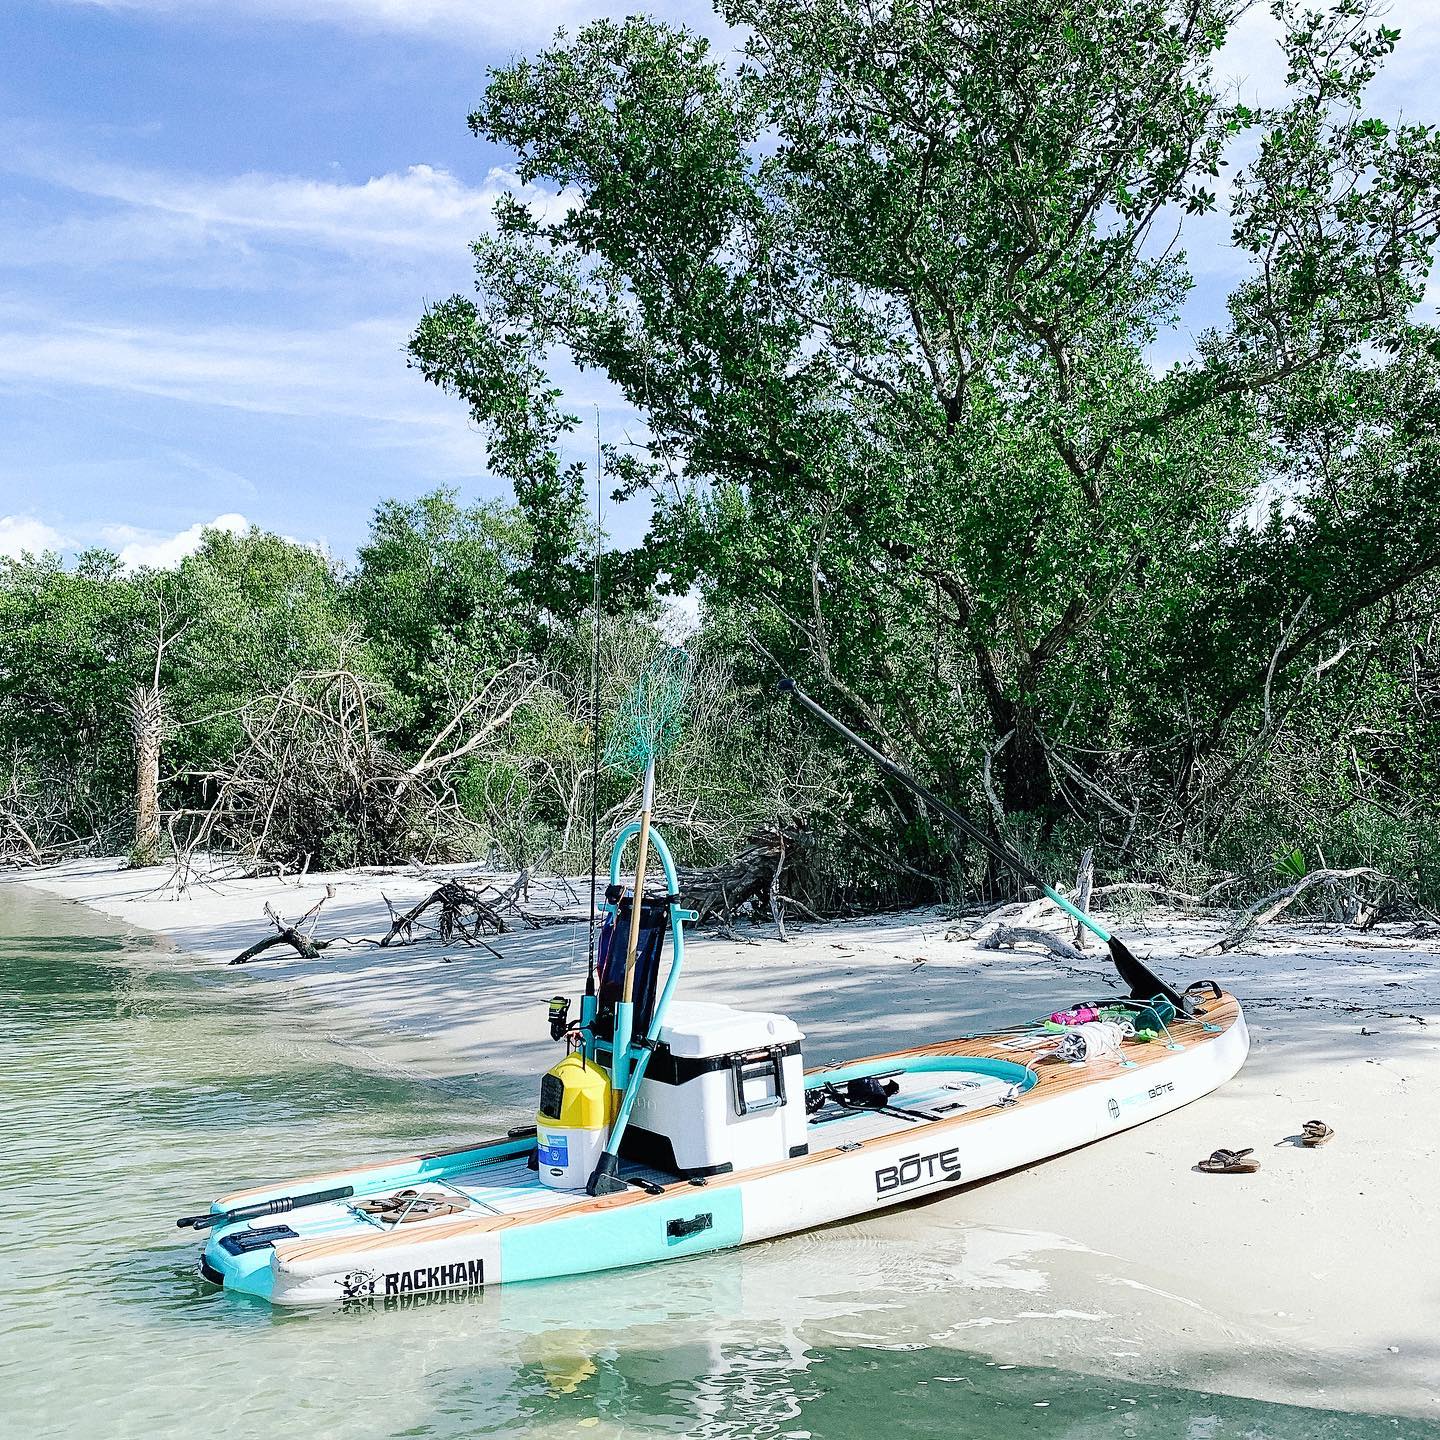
<point x="1078" y="915"/>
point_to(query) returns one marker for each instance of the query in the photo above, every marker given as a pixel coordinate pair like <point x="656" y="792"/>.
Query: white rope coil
<point x="1086" y="1042"/>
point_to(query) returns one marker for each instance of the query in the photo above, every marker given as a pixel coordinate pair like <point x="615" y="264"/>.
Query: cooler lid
<point x="696" y="1029"/>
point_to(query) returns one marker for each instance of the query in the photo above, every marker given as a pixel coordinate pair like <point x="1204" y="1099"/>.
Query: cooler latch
<point x="756" y="1065"/>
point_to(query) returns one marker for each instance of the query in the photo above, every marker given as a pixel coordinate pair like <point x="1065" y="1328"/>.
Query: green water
<point x="133" y="1087"/>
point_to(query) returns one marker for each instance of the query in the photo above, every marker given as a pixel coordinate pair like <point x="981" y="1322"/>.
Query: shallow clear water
<point x="133" y="1087"/>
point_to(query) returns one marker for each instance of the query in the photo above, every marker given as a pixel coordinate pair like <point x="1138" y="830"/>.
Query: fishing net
<point x="647" y="723"/>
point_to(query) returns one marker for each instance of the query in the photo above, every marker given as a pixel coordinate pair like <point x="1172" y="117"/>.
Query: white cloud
<point x="25" y="535"/>
<point x="421" y="220"/>
<point x="354" y="370"/>
<point x="350" y="379"/>
<point x="137" y="547"/>
<point x="422" y="209"/>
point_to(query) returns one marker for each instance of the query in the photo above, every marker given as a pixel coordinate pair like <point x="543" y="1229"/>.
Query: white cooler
<point x="724" y="1091"/>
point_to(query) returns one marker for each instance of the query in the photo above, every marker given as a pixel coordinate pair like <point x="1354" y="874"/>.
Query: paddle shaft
<point x="1143" y="982"/>
<point x="281" y="1206"/>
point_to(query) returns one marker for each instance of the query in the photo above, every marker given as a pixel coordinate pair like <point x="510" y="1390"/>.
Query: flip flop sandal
<point x="405" y="1207"/>
<point x="386" y="1204"/>
<point x="1315" y="1132"/>
<point x="1230" y="1162"/>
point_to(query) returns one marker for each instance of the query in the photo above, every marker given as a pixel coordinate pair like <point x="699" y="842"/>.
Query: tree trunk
<point x="1025" y="783"/>
<point x="1024" y="776"/>
<point x="146" y="721"/>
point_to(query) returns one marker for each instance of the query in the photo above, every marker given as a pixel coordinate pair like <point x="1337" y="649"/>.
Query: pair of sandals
<point x="1243" y="1162"/>
<point x="405" y="1207"/>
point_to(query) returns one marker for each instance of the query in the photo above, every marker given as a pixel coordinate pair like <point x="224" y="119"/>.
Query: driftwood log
<point x="1272" y="905"/>
<point x="751" y="878"/>
<point x="1008" y="936"/>
<point x="300" y="936"/>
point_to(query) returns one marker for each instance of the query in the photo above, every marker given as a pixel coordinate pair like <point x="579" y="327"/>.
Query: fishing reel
<point x="559" y="1015"/>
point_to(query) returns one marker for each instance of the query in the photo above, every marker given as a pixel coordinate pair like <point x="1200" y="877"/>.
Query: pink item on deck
<point x="1080" y="1015"/>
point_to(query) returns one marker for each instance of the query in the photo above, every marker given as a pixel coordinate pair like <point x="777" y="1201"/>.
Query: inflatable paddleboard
<point x="949" y="1115"/>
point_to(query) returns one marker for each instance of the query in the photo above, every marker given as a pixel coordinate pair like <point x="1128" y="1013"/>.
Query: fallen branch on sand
<point x="467" y="914"/>
<point x="300" y="936"/>
<point x="464" y="914"/>
<point x="1156" y="892"/>
<point x="1273" y="904"/>
<point x="1008" y="936"/>
<point x="1017" y="922"/>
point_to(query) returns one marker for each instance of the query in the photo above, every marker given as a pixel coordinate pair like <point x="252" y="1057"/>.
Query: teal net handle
<point x="634" y="1059"/>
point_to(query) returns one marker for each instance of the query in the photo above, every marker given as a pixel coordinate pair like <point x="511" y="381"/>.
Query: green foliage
<point x="306" y="705"/>
<point x="256" y="611"/>
<point x="725" y="767"/>
<point x="1291" y="864"/>
<point x="440" y="596"/>
<point x="886" y="294"/>
<point x="76" y="641"/>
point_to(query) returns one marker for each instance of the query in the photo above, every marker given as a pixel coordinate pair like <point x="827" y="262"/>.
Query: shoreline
<point x="1313" y="1281"/>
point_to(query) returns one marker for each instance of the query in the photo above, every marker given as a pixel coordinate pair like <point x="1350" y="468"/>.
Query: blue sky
<point x="219" y="220"/>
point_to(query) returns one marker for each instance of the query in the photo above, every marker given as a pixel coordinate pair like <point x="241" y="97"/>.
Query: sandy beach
<point x="1315" y="1281"/>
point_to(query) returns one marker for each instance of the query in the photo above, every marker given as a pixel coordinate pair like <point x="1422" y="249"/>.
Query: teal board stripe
<point x="1007" y="1070"/>
<point x="626" y="1235"/>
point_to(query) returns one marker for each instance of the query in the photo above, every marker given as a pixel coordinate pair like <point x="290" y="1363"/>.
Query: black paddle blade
<point x="1144" y="983"/>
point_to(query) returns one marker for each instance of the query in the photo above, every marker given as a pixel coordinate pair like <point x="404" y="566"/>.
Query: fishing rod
<point x="1143" y="982"/>
<point x="283" y="1206"/>
<point x="595" y="719"/>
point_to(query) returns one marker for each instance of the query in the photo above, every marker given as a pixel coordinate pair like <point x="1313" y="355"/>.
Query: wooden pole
<point x="642" y="856"/>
